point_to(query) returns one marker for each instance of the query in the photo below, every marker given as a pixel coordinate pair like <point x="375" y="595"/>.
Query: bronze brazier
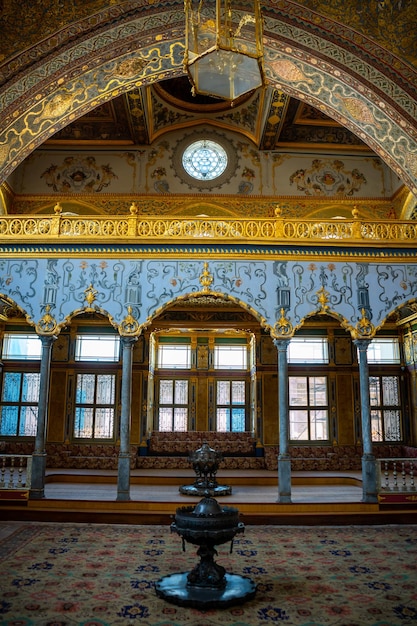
<point x="207" y="585"/>
<point x="205" y="462"/>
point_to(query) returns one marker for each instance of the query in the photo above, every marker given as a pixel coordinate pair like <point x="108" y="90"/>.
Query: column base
<point x="123" y="496"/>
<point x="36" y="494"/>
<point x="284" y="478"/>
<point x="123" y="477"/>
<point x="369" y="479"/>
<point x="37" y="483"/>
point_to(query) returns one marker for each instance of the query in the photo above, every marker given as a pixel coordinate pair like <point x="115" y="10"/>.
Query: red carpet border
<point x="104" y="575"/>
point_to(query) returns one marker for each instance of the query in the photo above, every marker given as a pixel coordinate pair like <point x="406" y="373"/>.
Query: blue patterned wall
<point x="141" y="288"/>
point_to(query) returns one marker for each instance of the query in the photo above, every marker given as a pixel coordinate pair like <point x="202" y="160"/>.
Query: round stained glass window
<point x="204" y="160"/>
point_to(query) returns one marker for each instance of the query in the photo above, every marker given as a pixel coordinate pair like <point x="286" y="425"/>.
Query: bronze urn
<point x="207" y="585"/>
<point x="205" y="462"/>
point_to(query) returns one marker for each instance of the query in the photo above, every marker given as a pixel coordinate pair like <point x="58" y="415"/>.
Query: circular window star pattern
<point x="204" y="160"/>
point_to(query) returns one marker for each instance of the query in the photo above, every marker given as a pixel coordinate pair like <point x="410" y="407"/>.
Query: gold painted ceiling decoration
<point x="391" y="23"/>
<point x="269" y="118"/>
<point x="89" y="49"/>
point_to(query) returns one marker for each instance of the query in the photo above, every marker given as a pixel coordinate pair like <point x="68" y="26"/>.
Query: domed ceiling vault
<point x="98" y="89"/>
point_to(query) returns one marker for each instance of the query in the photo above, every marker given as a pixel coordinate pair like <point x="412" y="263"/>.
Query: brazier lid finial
<point x="207" y="506"/>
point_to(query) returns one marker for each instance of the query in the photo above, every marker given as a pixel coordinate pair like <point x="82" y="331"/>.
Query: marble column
<point x="37" y="488"/>
<point x="369" y="474"/>
<point x="123" y="475"/>
<point x="284" y="459"/>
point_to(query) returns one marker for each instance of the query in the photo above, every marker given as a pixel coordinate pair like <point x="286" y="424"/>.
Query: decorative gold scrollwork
<point x="90" y="296"/>
<point x="364" y="328"/>
<point x="282" y="328"/>
<point x="129" y="325"/>
<point x="206" y="278"/>
<point x="322" y="300"/>
<point x="137" y="225"/>
<point x="47" y="324"/>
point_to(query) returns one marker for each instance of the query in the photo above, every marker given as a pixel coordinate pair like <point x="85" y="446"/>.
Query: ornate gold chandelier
<point x="223" y="47"/>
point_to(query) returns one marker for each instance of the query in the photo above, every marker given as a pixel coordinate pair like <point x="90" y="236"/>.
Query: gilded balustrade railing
<point x="258" y="230"/>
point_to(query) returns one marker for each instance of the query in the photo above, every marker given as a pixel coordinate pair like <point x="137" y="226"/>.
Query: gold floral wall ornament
<point x="282" y="328"/>
<point x="90" y="296"/>
<point x="364" y="328"/>
<point x="47" y="324"/>
<point x="129" y="325"/>
<point x="206" y="278"/>
<point x="322" y="300"/>
<point x="78" y="174"/>
<point x="328" y="177"/>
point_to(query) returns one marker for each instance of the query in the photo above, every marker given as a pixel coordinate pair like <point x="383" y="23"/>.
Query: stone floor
<point x="163" y="486"/>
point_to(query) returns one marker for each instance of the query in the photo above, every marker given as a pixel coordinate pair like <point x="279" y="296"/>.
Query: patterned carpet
<point x="99" y="575"/>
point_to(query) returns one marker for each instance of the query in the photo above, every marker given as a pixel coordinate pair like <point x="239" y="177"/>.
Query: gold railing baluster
<point x="136" y="226"/>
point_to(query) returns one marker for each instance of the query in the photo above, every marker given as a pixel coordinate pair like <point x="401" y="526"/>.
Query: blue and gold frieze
<point x="280" y="294"/>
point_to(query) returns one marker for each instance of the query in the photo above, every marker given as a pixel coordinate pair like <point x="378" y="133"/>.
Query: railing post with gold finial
<point x="279" y="223"/>
<point x="56" y="219"/>
<point x="356" y="226"/>
<point x="133" y="219"/>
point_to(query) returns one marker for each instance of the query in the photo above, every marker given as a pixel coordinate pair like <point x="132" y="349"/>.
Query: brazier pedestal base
<point x="175" y="589"/>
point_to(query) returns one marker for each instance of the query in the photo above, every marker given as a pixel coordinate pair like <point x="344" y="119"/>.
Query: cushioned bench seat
<point x="182" y="443"/>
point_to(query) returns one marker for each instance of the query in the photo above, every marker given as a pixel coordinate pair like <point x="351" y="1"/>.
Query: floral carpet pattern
<point x="104" y="575"/>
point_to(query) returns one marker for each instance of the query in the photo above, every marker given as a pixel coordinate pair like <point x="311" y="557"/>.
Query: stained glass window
<point x="308" y="350"/>
<point x="176" y="356"/>
<point x="95" y="406"/>
<point x="97" y="348"/>
<point x="204" y="160"/>
<point x="308" y="412"/>
<point x="385" y="401"/>
<point x="21" y="346"/>
<point x="231" y="405"/>
<point x="173" y="405"/>
<point x="19" y="404"/>
<point x="384" y="350"/>
<point x="230" y="357"/>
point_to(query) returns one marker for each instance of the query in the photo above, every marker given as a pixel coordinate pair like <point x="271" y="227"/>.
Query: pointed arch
<point x="202" y="297"/>
<point x="78" y="312"/>
<point x="404" y="310"/>
<point x="10" y="308"/>
<point x="343" y="322"/>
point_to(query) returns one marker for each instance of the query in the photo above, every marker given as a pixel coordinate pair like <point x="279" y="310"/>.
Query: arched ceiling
<point x="331" y="63"/>
<point x="392" y="24"/>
